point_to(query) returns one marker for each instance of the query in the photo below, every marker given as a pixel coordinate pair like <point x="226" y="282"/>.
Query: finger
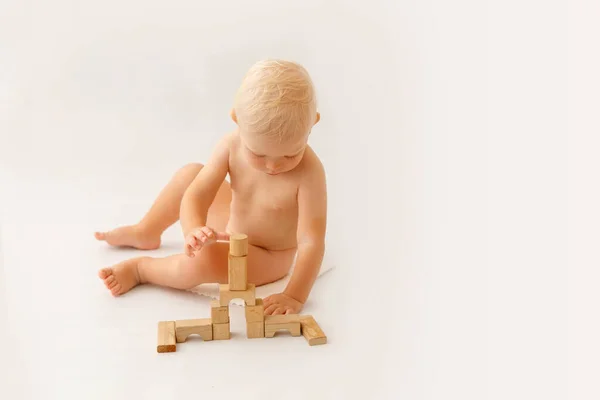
<point x="269" y="310"/>
<point x="193" y="243"/>
<point x="288" y="311"/>
<point x="208" y="232"/>
<point x="278" y="311"/>
<point x="223" y="236"/>
<point x="204" y="238"/>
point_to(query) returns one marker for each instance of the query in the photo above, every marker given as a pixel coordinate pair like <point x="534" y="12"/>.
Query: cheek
<point x="290" y="164"/>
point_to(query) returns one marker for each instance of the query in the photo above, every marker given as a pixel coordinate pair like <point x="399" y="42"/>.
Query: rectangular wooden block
<point x="274" y="323"/>
<point x="218" y="314"/>
<point x="255" y="329"/>
<point x="312" y="331"/>
<point x="281" y="319"/>
<point x="238" y="244"/>
<point x="166" y="337"/>
<point x="221" y="331"/>
<point x="226" y="295"/>
<point x="255" y="313"/>
<point x="237" y="272"/>
<point x="187" y="327"/>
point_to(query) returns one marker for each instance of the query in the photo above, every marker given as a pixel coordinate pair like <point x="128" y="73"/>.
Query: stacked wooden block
<point x="217" y="327"/>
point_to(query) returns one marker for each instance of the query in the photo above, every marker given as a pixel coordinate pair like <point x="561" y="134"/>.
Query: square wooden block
<point x="255" y="313"/>
<point x="221" y="331"/>
<point x="226" y="295"/>
<point x="218" y="314"/>
<point x="255" y="329"/>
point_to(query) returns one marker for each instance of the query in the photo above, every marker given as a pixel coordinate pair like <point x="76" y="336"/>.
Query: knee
<point x="198" y="270"/>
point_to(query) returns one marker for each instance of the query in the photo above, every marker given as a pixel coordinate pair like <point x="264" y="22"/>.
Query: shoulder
<point x="226" y="144"/>
<point x="229" y="140"/>
<point x="313" y="171"/>
<point x="312" y="165"/>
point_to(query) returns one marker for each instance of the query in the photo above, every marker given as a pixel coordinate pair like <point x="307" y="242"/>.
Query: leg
<point x="209" y="266"/>
<point x="164" y="212"/>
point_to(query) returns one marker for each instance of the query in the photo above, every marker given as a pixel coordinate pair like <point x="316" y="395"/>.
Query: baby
<point x="277" y="196"/>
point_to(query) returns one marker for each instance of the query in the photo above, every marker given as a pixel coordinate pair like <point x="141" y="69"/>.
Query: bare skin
<point x="277" y="196"/>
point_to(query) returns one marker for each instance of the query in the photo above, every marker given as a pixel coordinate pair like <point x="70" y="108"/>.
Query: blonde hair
<point x="276" y="99"/>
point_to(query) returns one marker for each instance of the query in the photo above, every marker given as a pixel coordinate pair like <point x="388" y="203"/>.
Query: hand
<point x="281" y="304"/>
<point x="200" y="237"/>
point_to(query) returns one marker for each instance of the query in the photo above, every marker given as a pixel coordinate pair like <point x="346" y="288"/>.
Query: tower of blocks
<point x="257" y="324"/>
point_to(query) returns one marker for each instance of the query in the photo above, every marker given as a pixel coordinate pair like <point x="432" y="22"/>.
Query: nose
<point x="271" y="165"/>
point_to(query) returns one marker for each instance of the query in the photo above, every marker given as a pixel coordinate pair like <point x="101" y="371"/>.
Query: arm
<point x="312" y="224"/>
<point x="202" y="191"/>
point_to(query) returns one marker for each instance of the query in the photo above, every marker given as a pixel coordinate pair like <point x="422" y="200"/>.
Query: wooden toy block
<point x="274" y="323"/>
<point x="238" y="244"/>
<point x="166" y="337"/>
<point x="312" y="331"/>
<point x="226" y="295"/>
<point x="237" y="272"/>
<point x="218" y="314"/>
<point x="255" y="313"/>
<point x="221" y="331"/>
<point x="186" y="327"/>
<point x="255" y="329"/>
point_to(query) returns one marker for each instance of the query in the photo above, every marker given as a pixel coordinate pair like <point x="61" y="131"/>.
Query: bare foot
<point x="121" y="278"/>
<point x="130" y="236"/>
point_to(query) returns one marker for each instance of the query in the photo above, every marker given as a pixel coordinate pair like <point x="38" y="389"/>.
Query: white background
<point x="461" y="144"/>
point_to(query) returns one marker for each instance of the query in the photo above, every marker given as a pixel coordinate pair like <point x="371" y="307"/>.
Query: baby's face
<point x="270" y="157"/>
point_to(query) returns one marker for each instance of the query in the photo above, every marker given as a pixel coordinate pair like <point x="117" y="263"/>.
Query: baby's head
<point x="275" y="109"/>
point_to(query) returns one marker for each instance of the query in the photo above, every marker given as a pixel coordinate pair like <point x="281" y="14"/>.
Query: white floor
<point x="68" y="336"/>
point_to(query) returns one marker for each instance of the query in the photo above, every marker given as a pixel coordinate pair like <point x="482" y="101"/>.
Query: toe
<point x="111" y="284"/>
<point x="116" y="290"/>
<point x="105" y="273"/>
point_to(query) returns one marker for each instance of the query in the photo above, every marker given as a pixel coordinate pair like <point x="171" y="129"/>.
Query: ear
<point x="233" y="116"/>
<point x="318" y="118"/>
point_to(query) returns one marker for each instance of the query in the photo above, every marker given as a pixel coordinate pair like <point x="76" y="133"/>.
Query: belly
<point x="266" y="227"/>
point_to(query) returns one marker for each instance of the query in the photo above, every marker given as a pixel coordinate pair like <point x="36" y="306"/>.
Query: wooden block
<point x="218" y="314"/>
<point x="166" y="337"/>
<point x="312" y="331"/>
<point x="255" y="329"/>
<point x="226" y="295"/>
<point x="238" y="244"/>
<point x="187" y="327"/>
<point x="221" y="331"/>
<point x="281" y="319"/>
<point x="237" y="272"/>
<point x="255" y="313"/>
<point x="274" y="323"/>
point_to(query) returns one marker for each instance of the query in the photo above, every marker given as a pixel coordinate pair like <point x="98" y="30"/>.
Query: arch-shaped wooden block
<point x="274" y="323"/>
<point x="226" y="295"/>
<point x="187" y="327"/>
